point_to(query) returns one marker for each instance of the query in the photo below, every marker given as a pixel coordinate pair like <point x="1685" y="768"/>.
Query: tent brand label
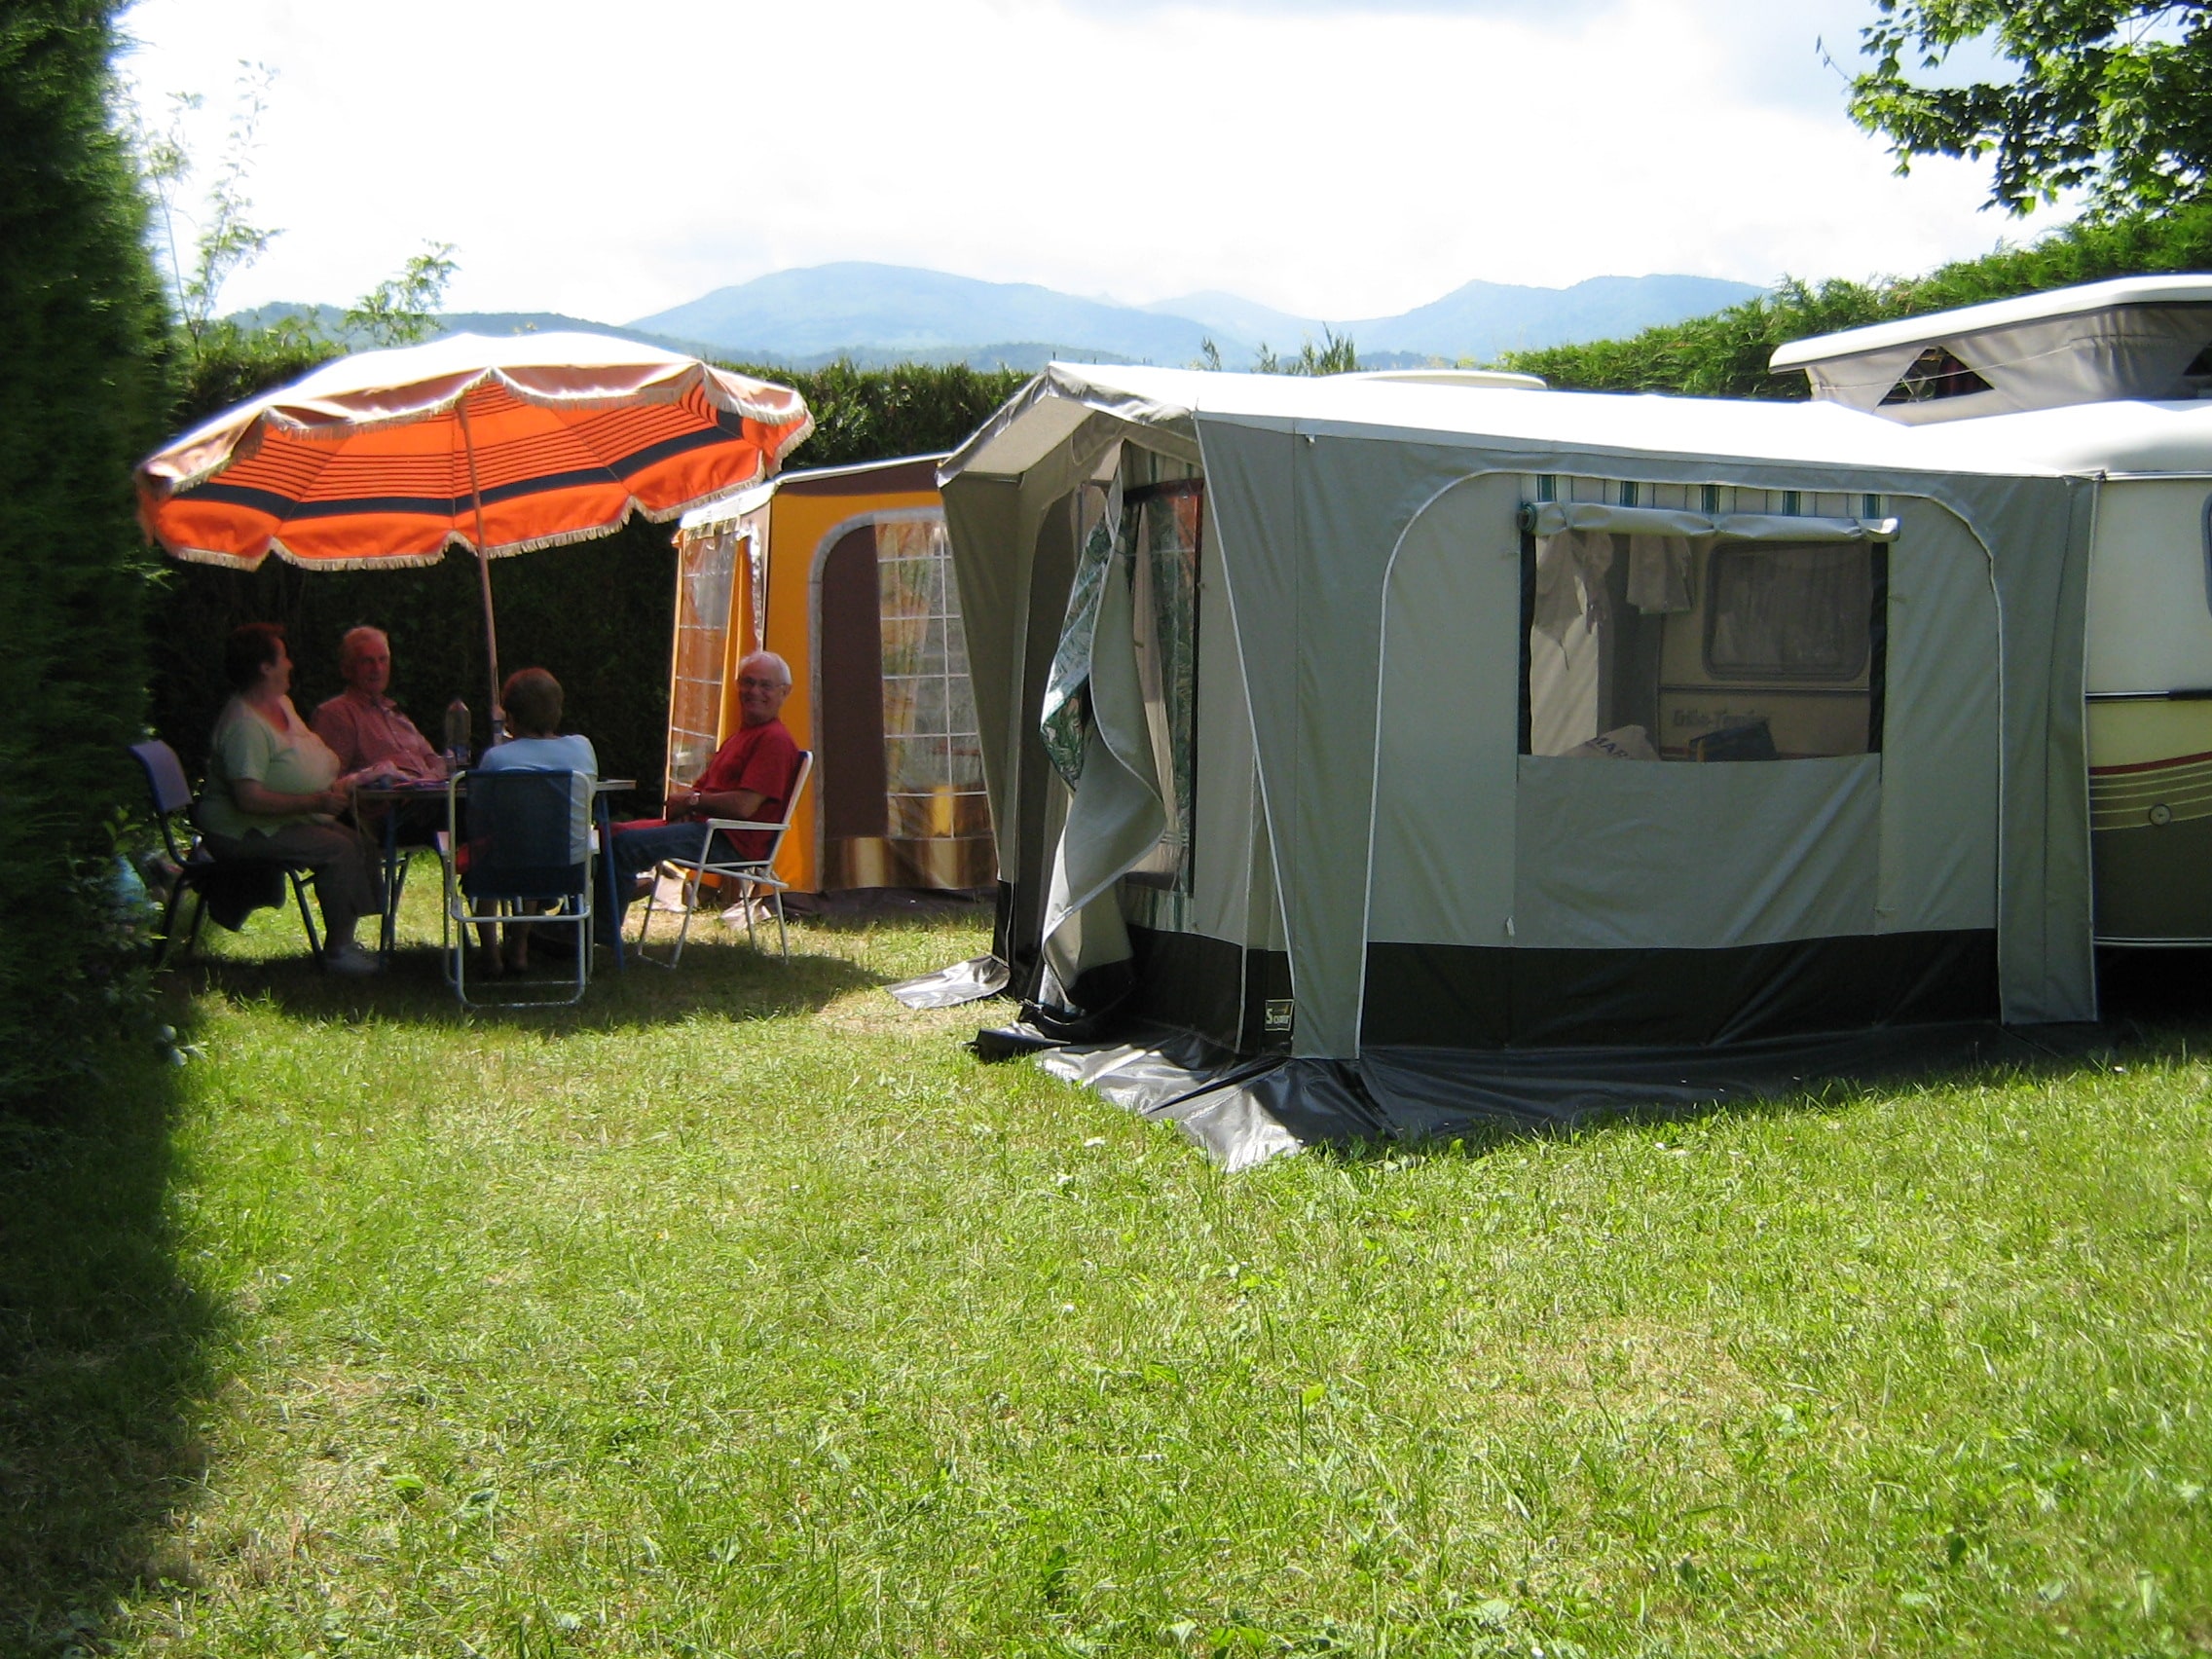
<point x="1278" y="1014"/>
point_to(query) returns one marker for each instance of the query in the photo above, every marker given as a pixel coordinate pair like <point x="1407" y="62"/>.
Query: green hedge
<point x="1725" y="354"/>
<point x="80" y="332"/>
<point x="598" y="613"/>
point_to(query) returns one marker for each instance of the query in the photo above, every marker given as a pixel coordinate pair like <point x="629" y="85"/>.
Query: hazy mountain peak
<point x="878" y="311"/>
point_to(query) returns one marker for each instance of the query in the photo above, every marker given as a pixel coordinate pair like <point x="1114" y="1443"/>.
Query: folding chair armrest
<point x="740" y="824"/>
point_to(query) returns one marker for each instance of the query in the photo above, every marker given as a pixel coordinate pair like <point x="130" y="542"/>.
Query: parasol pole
<point x="483" y="566"/>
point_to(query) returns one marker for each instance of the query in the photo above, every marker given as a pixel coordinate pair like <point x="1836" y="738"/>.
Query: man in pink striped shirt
<point x="362" y="726"/>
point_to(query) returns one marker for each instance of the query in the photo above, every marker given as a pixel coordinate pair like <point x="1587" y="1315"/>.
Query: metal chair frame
<point x="752" y="873"/>
<point x="466" y="890"/>
<point x="171" y="793"/>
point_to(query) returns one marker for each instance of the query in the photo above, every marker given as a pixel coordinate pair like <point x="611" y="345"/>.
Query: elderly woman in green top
<point x="274" y="790"/>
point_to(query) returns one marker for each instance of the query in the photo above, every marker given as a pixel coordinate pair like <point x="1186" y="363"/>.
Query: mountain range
<point x="876" y="315"/>
<point x="892" y="312"/>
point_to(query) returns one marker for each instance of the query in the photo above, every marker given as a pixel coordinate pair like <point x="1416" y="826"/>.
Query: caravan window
<point x="1781" y="612"/>
<point x="1658" y="647"/>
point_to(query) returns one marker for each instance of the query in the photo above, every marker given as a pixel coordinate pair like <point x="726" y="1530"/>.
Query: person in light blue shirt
<point x="531" y="698"/>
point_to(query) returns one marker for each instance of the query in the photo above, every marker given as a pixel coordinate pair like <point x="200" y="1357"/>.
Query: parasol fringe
<point x="382" y="562"/>
<point x="208" y="556"/>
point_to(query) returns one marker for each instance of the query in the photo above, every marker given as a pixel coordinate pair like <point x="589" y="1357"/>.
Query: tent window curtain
<point x="1661" y="636"/>
<point x="1168" y="523"/>
<point x="933" y="755"/>
<point x="708" y="575"/>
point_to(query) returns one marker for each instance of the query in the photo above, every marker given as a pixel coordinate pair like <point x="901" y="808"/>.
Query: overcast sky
<point x="1334" y="158"/>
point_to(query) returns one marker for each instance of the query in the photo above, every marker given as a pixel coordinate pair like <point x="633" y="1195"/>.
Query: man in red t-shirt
<point x="749" y="777"/>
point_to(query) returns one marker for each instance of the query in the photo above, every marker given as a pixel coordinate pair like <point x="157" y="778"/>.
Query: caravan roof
<point x="1945" y="325"/>
<point x="2135" y="337"/>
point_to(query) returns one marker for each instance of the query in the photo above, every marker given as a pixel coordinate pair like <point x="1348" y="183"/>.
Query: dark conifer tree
<point x="81" y="397"/>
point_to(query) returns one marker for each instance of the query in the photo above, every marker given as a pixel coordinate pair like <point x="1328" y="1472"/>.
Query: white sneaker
<point x="351" y="960"/>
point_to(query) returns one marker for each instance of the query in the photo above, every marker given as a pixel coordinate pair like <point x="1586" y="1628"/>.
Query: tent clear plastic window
<point x="933" y="756"/>
<point x="709" y="569"/>
<point x="1661" y="648"/>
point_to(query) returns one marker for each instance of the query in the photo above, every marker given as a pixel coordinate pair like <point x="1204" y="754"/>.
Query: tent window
<point x="711" y="567"/>
<point x="1935" y="373"/>
<point x="1658" y="647"/>
<point x="1168" y="522"/>
<point x="933" y="755"/>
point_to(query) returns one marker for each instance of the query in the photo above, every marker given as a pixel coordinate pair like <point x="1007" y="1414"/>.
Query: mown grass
<point x="741" y="1311"/>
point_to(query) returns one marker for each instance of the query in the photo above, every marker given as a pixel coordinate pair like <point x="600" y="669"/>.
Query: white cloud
<point x="1332" y="158"/>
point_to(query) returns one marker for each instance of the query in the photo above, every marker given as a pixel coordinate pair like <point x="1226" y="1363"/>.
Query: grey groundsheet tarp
<point x="1243" y="1112"/>
<point x="968" y="981"/>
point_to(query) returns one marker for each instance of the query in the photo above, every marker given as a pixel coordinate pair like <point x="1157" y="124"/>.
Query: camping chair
<point x="716" y="858"/>
<point x="520" y="849"/>
<point x="232" y="887"/>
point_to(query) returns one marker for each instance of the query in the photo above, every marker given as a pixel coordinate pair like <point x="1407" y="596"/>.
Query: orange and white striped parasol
<point x="498" y="445"/>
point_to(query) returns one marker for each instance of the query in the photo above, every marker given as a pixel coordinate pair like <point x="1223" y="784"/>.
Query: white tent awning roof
<point x="2081" y="438"/>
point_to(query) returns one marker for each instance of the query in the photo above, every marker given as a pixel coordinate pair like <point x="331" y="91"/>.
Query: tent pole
<point x="483" y="566"/>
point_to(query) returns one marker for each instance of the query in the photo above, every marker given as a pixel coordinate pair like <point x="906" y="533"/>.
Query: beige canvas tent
<point x="1348" y="726"/>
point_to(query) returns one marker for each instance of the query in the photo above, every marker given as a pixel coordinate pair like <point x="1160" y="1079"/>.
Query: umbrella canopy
<point x="496" y="444"/>
<point x="499" y="445"/>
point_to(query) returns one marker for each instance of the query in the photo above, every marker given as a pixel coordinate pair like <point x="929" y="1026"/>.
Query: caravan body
<point x="2104" y="380"/>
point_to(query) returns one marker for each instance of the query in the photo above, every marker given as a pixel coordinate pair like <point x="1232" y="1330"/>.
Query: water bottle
<point x="457" y="734"/>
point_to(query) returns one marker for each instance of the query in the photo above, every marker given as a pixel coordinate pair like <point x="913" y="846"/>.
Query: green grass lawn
<point x="741" y="1311"/>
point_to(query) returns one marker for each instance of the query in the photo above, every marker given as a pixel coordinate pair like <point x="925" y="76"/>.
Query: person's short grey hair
<point x="349" y="641"/>
<point x="782" y="668"/>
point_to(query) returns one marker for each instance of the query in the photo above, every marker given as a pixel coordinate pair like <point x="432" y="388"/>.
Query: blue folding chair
<point x="232" y="887"/>
<point x="518" y="847"/>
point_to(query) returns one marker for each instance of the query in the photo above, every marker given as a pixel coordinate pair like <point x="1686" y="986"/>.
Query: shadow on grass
<point x="892" y="909"/>
<point x="104" y="1357"/>
<point x="717" y="978"/>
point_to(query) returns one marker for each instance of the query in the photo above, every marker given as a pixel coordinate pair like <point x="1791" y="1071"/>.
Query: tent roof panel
<point x="2077" y="438"/>
<point x="1058" y="400"/>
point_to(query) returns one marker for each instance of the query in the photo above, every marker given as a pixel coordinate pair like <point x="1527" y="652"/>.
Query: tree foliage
<point x="80" y="331"/>
<point x="2110" y="96"/>
<point x="403" y="309"/>
<point x="1335" y="355"/>
<point x="1725" y="354"/>
<point x="225" y="237"/>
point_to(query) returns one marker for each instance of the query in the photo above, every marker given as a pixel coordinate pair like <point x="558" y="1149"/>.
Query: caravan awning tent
<point x="1337" y="717"/>
<point x="843" y="571"/>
